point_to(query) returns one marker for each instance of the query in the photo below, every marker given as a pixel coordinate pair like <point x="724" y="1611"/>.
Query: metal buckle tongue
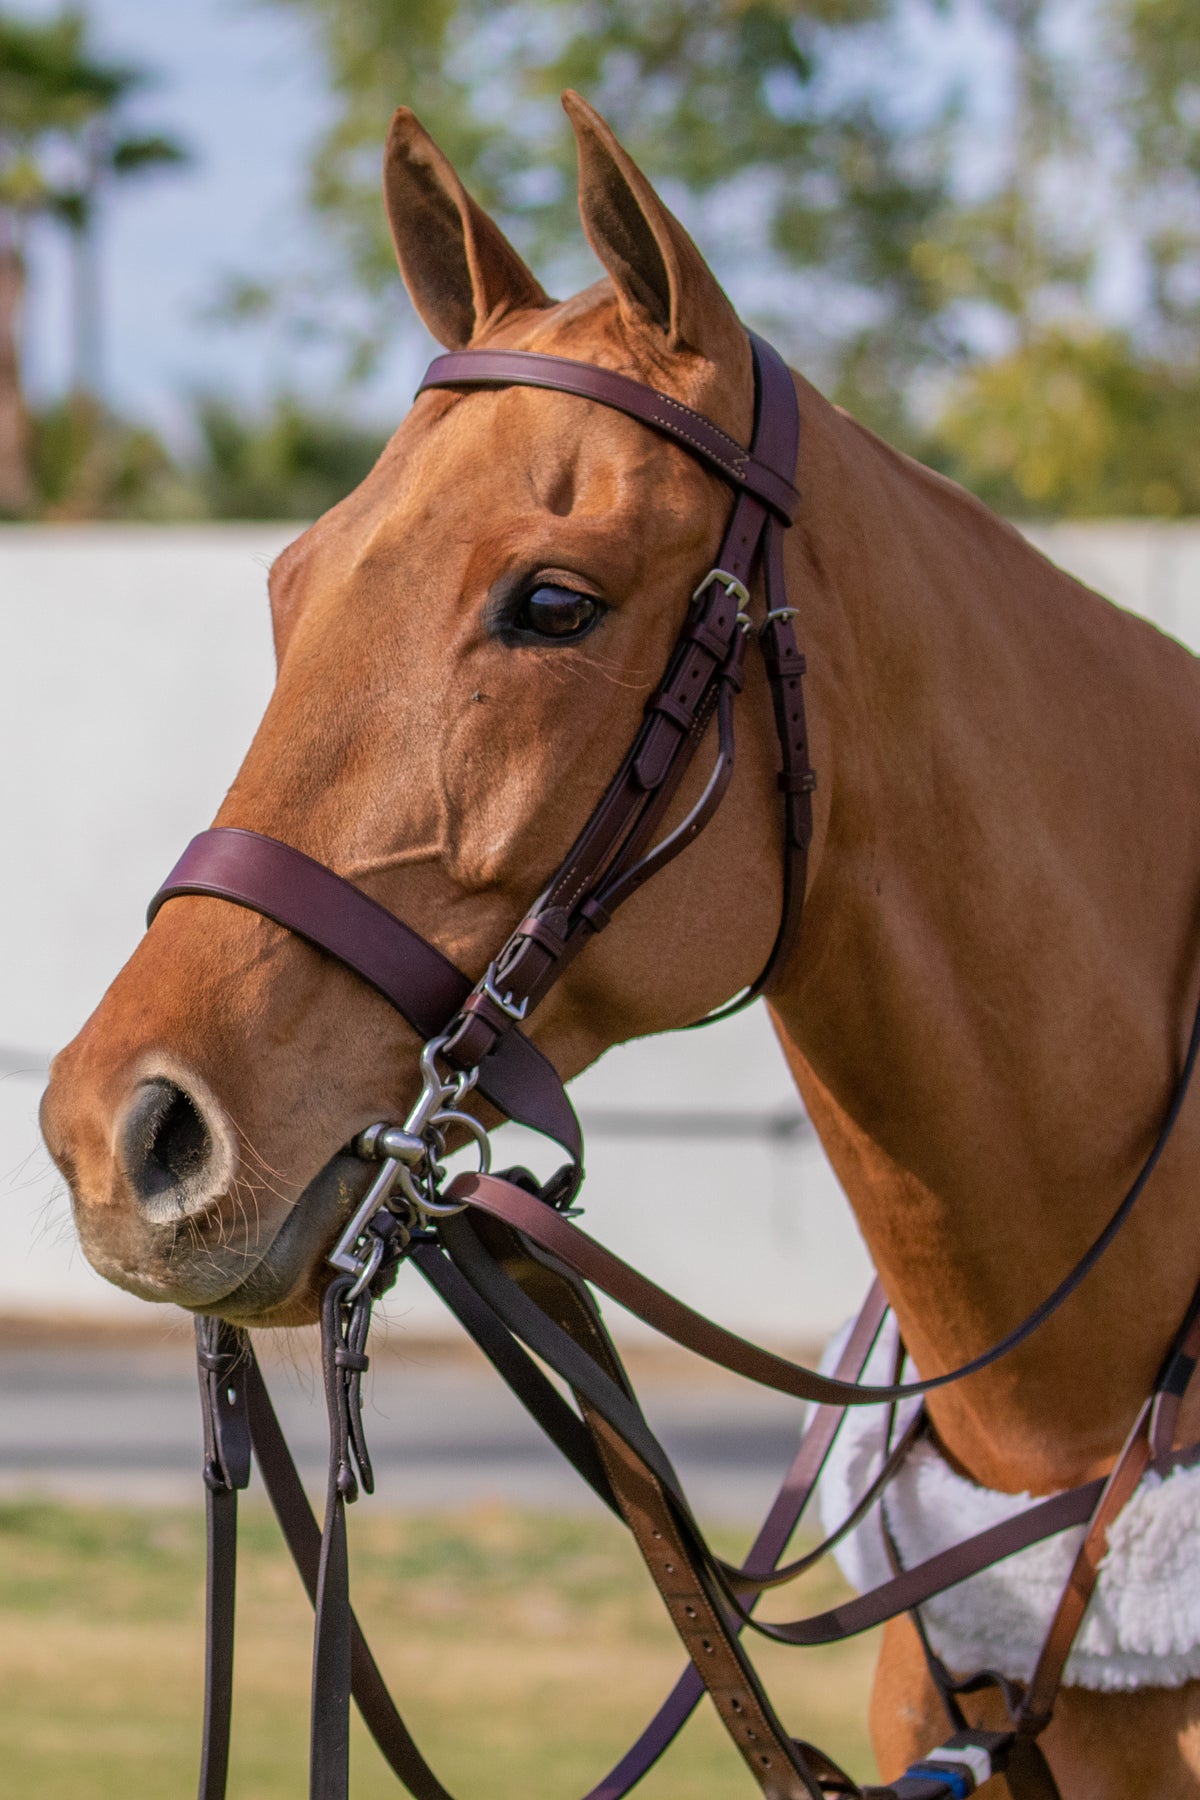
<point x="411" y="1157"/>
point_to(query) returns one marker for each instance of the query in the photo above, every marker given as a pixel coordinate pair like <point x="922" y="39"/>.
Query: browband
<point x="563" y="375"/>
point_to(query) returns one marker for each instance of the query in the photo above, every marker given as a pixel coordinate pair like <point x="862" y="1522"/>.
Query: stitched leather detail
<point x="562" y="374"/>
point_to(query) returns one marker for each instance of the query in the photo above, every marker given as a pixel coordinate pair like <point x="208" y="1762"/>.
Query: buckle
<point x="508" y="1006"/>
<point x="963" y="1763"/>
<point x="737" y="589"/>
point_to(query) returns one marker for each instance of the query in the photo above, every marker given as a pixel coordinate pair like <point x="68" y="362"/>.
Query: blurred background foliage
<point x="995" y="263"/>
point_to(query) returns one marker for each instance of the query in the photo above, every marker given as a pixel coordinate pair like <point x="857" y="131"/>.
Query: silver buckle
<point x="505" y="1002"/>
<point x="737" y="589"/>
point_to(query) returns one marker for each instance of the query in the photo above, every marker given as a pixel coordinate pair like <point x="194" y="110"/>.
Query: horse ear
<point x="457" y="264"/>
<point x="663" y="283"/>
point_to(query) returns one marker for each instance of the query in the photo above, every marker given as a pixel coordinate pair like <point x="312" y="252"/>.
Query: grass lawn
<point x="526" y="1652"/>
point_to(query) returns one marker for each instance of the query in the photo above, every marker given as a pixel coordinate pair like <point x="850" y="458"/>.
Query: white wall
<point x="134" y="662"/>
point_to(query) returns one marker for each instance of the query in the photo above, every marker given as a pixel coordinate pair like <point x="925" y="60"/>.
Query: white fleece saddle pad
<point x="1142" y="1628"/>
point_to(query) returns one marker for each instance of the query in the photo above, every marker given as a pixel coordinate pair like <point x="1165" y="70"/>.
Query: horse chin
<point x="285" y="1285"/>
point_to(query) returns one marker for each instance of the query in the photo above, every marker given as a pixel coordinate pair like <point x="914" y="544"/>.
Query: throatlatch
<point x="505" y="1257"/>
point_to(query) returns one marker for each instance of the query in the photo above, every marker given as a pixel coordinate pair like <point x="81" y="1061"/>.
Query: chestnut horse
<point x="998" y="962"/>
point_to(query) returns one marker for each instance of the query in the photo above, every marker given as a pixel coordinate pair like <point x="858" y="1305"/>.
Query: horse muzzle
<point x="169" y="1205"/>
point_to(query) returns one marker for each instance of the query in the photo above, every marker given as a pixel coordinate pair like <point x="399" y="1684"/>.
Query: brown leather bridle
<point x="518" y="1274"/>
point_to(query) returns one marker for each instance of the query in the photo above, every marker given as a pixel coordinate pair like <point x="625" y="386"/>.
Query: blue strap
<point x="957" y="1781"/>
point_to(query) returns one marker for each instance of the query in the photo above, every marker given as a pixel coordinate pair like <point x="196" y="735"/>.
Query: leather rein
<point x="504" y="1256"/>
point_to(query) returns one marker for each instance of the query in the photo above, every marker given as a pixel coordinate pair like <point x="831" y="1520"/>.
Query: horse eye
<point x="557" y="612"/>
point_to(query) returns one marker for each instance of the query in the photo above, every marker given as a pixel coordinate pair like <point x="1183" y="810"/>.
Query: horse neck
<point x="998" y="963"/>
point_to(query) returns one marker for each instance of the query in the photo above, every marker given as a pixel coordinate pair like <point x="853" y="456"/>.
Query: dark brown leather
<point x="1119" y="1489"/>
<point x="491" y="1195"/>
<point x="1150" y="1443"/>
<point x="1178" y="1373"/>
<point x="756" y="472"/>
<point x="611" y="857"/>
<point x="769" y="1545"/>
<point x="646" y="1504"/>
<point x="912" y="1588"/>
<point x="302" y="1535"/>
<point x="331" y="913"/>
<point x="220" y="1362"/>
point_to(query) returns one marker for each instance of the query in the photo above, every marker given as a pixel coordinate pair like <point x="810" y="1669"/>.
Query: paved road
<point x="121" y="1420"/>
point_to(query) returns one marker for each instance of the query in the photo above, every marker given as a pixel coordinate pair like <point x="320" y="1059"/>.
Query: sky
<point x="240" y="85"/>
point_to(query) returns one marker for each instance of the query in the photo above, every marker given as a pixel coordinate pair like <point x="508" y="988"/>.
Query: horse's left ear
<point x="457" y="264"/>
<point x="664" y="286"/>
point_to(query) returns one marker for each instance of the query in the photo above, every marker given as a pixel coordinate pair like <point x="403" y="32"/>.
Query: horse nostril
<point x="166" y="1148"/>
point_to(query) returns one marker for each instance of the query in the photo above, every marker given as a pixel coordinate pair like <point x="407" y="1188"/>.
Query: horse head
<point x="465" y="645"/>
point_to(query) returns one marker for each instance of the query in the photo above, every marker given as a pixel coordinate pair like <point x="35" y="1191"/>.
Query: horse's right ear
<point x="458" y="266"/>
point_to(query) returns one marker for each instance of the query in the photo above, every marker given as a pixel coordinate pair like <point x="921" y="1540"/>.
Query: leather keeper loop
<point x="537" y="929"/>
<point x="665" y="702"/>
<point x="357" y="1360"/>
<point x="797" y="781"/>
<point x="733" y="672"/>
<point x="708" y="637"/>
<point x="594" y="914"/>
<point x="472" y="1039"/>
<point x="653" y="763"/>
<point x="483" y="1007"/>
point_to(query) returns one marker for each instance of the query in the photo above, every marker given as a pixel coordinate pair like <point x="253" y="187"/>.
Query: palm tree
<point x="62" y="144"/>
<point x="104" y="157"/>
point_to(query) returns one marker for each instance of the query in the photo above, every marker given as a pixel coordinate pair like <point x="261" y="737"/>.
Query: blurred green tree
<point x="923" y="200"/>
<point x="88" y="463"/>
<point x="292" y="462"/>
<point x="752" y="114"/>
<point x="1070" y="404"/>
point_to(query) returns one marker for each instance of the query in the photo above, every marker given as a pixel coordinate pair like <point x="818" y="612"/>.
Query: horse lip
<point x="296" y="1250"/>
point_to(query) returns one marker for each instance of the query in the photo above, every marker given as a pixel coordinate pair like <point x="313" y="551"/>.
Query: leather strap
<point x="650" y="1499"/>
<point x="772" y="1540"/>
<point x="756" y="471"/>
<point x="911" y="1588"/>
<point x="540" y="1398"/>
<point x="1150" y="1437"/>
<point x="611" y="858"/>
<point x="491" y="1195"/>
<point x="344" y="1360"/>
<point x="303" y="1538"/>
<point x="1118" y="1490"/>
<point x="220" y="1361"/>
<point x="331" y="913"/>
